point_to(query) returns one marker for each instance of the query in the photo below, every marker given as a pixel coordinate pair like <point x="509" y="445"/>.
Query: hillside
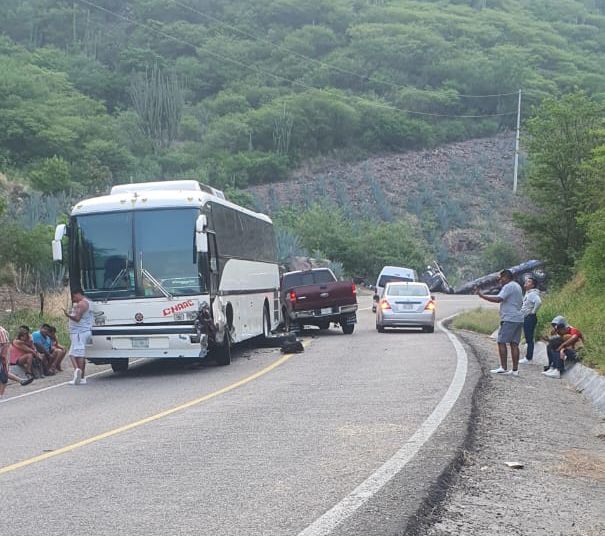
<point x="459" y="194"/>
<point x="240" y="92"/>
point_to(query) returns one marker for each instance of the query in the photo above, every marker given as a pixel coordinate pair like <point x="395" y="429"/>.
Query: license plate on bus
<point x="140" y="343"/>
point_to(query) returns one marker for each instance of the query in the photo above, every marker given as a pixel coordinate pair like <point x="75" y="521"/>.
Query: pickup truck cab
<point x="316" y="298"/>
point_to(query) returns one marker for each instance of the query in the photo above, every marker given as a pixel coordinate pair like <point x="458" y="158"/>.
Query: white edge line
<point x="366" y="490"/>
<point x="30" y="393"/>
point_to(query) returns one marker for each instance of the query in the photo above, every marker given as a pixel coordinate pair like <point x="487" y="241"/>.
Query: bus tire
<point x="119" y="365"/>
<point x="266" y="322"/>
<point x="222" y="352"/>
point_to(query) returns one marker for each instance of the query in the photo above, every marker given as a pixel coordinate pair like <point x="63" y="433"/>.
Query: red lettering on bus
<point x="178" y="307"/>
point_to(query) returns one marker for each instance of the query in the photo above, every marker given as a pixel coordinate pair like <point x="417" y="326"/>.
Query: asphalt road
<point x="265" y="446"/>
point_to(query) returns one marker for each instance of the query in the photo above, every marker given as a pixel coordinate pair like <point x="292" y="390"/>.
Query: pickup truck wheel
<point x="119" y="365"/>
<point x="222" y="352"/>
<point x="348" y="329"/>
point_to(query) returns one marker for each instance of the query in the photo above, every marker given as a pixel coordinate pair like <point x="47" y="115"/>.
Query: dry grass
<point x="481" y="320"/>
<point x="586" y="464"/>
<point x="55" y="302"/>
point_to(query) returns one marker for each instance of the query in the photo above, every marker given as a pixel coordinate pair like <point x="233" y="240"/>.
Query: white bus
<point x="151" y="256"/>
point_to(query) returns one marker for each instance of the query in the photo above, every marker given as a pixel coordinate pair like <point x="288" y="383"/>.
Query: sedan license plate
<point x="326" y="311"/>
<point x="141" y="342"/>
<point x="406" y="307"/>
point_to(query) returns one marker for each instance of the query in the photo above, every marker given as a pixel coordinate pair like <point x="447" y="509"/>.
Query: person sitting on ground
<point x="57" y="347"/>
<point x="22" y="352"/>
<point x="5" y="374"/>
<point x="562" y="345"/>
<point x="44" y="346"/>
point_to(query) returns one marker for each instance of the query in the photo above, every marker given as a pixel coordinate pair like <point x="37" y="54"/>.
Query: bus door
<point x="213" y="265"/>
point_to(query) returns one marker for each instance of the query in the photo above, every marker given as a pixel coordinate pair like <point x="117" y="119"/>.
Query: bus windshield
<point x="147" y="253"/>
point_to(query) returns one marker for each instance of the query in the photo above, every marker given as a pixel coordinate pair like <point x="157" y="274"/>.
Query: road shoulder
<point x="550" y="429"/>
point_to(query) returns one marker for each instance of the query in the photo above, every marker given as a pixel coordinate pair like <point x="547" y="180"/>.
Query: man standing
<point x="531" y="303"/>
<point x="80" y="331"/>
<point x="510" y="299"/>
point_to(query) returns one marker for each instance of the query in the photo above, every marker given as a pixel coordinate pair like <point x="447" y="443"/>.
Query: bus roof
<point x="150" y="195"/>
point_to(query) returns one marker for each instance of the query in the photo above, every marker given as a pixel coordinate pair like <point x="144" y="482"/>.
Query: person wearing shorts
<point x="510" y="299"/>
<point x="80" y="332"/>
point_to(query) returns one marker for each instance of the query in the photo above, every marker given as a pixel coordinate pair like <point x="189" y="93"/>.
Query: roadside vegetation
<point x="566" y="187"/>
<point x="481" y="320"/>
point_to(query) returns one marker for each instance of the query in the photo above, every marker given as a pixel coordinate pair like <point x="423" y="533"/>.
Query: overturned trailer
<point x="489" y="283"/>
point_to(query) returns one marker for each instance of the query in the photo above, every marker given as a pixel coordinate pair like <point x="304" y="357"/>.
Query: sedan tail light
<point x="430" y="306"/>
<point x="385" y="305"/>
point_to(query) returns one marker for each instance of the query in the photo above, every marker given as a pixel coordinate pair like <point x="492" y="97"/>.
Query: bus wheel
<point x="222" y="352"/>
<point x="119" y="365"/>
<point x="266" y="322"/>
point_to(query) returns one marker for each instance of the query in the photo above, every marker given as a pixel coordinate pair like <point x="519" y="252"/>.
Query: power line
<point x="257" y="70"/>
<point x="277" y="46"/>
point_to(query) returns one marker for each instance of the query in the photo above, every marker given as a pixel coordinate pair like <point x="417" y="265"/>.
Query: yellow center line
<point x="146" y="420"/>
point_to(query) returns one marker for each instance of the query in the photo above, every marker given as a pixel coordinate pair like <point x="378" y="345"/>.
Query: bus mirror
<point x="201" y="223"/>
<point x="57" y="250"/>
<point x="60" y="231"/>
<point x="201" y="242"/>
<point x="56" y="244"/>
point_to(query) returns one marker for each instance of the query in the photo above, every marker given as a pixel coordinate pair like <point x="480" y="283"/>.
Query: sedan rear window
<point x="407" y="290"/>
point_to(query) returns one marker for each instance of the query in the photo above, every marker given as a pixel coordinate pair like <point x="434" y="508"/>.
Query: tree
<point x="562" y="137"/>
<point x="51" y="175"/>
<point x="499" y="255"/>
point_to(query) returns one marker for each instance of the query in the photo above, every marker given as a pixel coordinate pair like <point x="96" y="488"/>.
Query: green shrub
<point x="51" y="175"/>
<point x="593" y="260"/>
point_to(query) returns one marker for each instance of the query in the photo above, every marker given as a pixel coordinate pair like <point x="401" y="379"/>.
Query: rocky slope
<point x="459" y="194"/>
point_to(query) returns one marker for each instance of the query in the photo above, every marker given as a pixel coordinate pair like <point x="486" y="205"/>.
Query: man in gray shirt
<point x="510" y="299"/>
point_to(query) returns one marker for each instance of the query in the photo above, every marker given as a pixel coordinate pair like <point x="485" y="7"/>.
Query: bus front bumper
<point x="108" y="344"/>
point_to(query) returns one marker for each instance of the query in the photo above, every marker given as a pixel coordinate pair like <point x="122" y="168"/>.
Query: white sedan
<point x="406" y="305"/>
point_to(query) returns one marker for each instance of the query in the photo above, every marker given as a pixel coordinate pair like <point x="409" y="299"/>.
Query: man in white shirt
<point x="510" y="299"/>
<point x="531" y="303"/>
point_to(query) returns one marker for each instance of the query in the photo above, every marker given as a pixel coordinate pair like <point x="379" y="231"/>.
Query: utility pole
<point x="516" y="172"/>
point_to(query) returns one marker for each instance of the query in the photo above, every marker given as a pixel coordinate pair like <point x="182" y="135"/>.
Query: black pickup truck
<point x="316" y="298"/>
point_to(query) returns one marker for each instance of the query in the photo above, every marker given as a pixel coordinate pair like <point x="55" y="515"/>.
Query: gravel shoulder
<point x="550" y="429"/>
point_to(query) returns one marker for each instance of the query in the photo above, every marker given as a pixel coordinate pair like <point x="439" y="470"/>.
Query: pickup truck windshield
<point x="301" y="279"/>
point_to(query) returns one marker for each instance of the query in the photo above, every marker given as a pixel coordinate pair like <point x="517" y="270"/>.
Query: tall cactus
<point x="157" y="98"/>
